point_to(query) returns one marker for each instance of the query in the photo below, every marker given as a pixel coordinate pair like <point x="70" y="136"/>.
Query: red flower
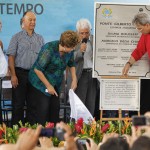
<point x="1" y="133"/>
<point x="78" y="128"/>
<point x="49" y="125"/>
<point x="105" y="127"/>
<point x="80" y="122"/>
<point x="23" y="129"/>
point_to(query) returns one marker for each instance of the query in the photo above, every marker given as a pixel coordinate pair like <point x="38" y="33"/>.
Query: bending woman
<point x="46" y="76"/>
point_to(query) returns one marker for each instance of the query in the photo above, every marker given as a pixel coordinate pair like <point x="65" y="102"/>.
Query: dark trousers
<point x="41" y="108"/>
<point x="19" y="96"/>
<point x="145" y="96"/>
<point x="97" y="102"/>
<point x="87" y="89"/>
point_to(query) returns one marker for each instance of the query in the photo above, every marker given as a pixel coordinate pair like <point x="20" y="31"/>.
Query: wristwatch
<point x="129" y="63"/>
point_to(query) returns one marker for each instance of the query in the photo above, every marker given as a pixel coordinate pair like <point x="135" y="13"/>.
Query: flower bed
<point x="94" y="130"/>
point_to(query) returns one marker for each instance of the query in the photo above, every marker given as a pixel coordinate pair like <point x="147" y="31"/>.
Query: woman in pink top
<point x="142" y="24"/>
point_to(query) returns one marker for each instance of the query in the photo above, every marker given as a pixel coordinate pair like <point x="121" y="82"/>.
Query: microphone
<point x="84" y="40"/>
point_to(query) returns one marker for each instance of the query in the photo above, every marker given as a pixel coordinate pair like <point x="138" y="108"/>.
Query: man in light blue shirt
<point x="22" y="51"/>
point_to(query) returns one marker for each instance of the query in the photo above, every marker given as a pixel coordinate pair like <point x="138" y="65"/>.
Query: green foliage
<point x="94" y="130"/>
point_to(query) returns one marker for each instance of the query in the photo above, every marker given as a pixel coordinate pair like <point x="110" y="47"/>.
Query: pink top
<point x="143" y="46"/>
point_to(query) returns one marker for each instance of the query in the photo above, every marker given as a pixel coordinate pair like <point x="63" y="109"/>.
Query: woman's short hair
<point x="69" y="39"/>
<point x="141" y="18"/>
<point x="83" y="24"/>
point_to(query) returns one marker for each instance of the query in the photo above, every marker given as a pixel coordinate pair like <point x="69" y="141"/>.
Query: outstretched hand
<point x="28" y="139"/>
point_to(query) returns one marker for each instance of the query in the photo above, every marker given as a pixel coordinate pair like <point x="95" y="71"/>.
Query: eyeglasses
<point x="82" y="33"/>
<point x="139" y="29"/>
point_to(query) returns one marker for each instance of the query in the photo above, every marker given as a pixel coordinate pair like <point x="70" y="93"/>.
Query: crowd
<point x="31" y="140"/>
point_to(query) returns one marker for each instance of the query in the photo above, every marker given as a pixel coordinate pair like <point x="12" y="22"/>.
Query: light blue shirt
<point x="25" y="48"/>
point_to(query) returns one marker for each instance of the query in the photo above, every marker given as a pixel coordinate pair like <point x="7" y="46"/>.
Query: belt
<point x="21" y="69"/>
<point x="87" y="70"/>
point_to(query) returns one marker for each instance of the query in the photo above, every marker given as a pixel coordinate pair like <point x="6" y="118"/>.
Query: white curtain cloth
<point x="78" y="109"/>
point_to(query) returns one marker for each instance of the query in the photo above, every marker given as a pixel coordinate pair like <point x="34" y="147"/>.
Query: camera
<point x="53" y="132"/>
<point x="140" y="120"/>
<point x="82" y="142"/>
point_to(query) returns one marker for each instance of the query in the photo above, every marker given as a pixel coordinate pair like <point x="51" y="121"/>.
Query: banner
<point x="116" y="38"/>
<point x="121" y="94"/>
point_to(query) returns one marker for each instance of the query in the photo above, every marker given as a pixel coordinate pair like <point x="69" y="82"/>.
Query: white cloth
<point x="3" y="64"/>
<point x="78" y="109"/>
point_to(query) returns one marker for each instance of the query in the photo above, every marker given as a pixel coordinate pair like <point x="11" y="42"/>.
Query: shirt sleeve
<point x="140" y="49"/>
<point x="78" y="54"/>
<point x="71" y="62"/>
<point x="12" y="48"/>
<point x="42" y="40"/>
<point x="43" y="59"/>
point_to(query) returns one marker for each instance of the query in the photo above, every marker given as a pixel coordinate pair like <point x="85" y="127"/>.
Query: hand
<point x="83" y="47"/>
<point x="128" y="138"/>
<point x="92" y="145"/>
<point x="126" y="69"/>
<point x="51" y="90"/>
<point x="67" y="129"/>
<point x="46" y="142"/>
<point x="14" y="81"/>
<point x="74" y="84"/>
<point x="7" y="146"/>
<point x="108" y="136"/>
<point x="28" y="140"/>
<point x="70" y="143"/>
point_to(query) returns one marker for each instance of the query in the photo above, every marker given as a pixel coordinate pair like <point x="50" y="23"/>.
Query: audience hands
<point x="46" y="142"/>
<point x="108" y="136"/>
<point x="28" y="140"/>
<point x="69" y="139"/>
<point x="92" y="145"/>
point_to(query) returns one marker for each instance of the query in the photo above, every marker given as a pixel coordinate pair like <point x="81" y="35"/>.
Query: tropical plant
<point x="94" y="129"/>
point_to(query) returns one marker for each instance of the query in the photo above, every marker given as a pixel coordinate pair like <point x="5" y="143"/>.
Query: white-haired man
<point x="87" y="86"/>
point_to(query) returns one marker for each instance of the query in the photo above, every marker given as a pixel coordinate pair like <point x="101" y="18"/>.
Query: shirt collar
<point x="26" y="33"/>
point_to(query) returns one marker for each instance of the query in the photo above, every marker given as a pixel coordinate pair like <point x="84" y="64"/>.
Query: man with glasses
<point x="142" y="24"/>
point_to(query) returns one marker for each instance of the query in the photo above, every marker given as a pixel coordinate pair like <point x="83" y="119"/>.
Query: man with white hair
<point x="87" y="86"/>
<point x="22" y="53"/>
